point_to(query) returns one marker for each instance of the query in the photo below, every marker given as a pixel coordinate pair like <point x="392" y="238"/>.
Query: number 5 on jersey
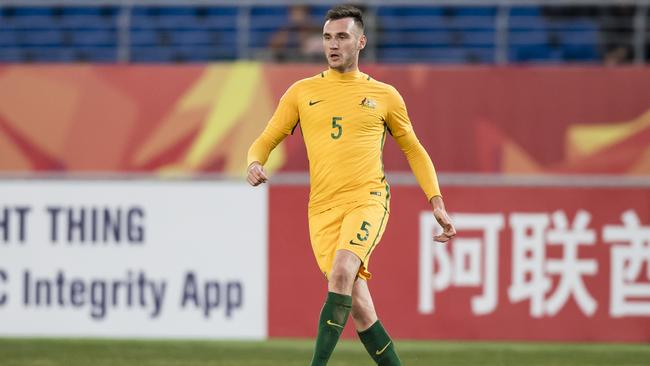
<point x="339" y="128"/>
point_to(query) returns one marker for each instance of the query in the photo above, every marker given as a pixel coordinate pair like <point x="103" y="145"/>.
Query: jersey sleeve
<point x="280" y="125"/>
<point x="397" y="118"/>
<point x="399" y="124"/>
<point x="420" y="163"/>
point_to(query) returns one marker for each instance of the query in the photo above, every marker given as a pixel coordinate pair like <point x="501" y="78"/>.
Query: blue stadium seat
<point x="39" y="37"/>
<point x="527" y="11"/>
<point x="144" y="37"/>
<point x="259" y="38"/>
<point x="578" y="37"/>
<point x="477" y="38"/>
<point x="56" y="54"/>
<point x="412" y="22"/>
<point x="527" y="22"/>
<point x="277" y="11"/>
<point x="7" y="38"/>
<point x="574" y="25"/>
<point x="191" y="37"/>
<point x="189" y="33"/>
<point x="203" y="38"/>
<point x="414" y="38"/>
<point x="151" y="54"/>
<point x="581" y="53"/>
<point x="164" y="11"/>
<point x="226" y="11"/>
<point x="184" y="17"/>
<point x="21" y="11"/>
<point x="405" y="11"/>
<point x="471" y="22"/>
<point x="31" y="22"/>
<point x="209" y="53"/>
<point x="85" y="11"/>
<point x="96" y="54"/>
<point x="175" y="21"/>
<point x="528" y="37"/>
<point x="318" y="11"/>
<point x="143" y="21"/>
<point x="11" y="54"/>
<point x="182" y="54"/>
<point x="476" y="11"/>
<point x="537" y="54"/>
<point x="471" y="54"/>
<point x="92" y="21"/>
<point x="95" y="38"/>
<point x="268" y="23"/>
<point x="438" y="55"/>
<point x="394" y="54"/>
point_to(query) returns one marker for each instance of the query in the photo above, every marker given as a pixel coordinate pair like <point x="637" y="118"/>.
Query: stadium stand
<point x="423" y="33"/>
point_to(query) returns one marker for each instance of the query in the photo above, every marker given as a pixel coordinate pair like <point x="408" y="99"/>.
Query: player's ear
<point x="362" y="42"/>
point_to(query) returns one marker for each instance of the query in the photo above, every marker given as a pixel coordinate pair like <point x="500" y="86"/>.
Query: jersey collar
<point x="350" y="75"/>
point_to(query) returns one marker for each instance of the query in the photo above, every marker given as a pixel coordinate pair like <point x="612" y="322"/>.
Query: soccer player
<point x="344" y="116"/>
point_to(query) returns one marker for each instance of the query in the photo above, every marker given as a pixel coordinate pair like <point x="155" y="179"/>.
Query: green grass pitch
<point x="97" y="352"/>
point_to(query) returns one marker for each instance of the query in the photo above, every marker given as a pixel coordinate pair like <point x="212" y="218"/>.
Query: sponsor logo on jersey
<point x="311" y="103"/>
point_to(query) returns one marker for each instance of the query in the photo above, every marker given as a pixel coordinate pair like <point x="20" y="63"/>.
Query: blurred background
<point x="124" y="127"/>
<point x="458" y="32"/>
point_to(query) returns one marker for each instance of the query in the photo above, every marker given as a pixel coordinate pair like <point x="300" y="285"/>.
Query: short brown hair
<point x="345" y="11"/>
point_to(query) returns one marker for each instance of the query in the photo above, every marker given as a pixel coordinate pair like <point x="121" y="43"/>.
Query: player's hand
<point x="439" y="212"/>
<point x="256" y="174"/>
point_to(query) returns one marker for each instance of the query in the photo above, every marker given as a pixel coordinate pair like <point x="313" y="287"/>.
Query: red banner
<point x="202" y="118"/>
<point x="569" y="264"/>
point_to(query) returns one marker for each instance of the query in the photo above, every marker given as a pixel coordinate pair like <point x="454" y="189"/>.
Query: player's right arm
<point x="280" y="125"/>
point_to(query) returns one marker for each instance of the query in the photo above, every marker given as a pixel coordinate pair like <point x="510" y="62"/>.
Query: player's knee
<point x="341" y="281"/>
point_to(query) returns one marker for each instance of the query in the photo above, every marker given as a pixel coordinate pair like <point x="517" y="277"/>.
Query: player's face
<point x="342" y="41"/>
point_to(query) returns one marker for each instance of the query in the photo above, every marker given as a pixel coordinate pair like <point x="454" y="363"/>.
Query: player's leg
<point x="371" y="332"/>
<point x="344" y="271"/>
<point x="337" y="307"/>
<point x="361" y="227"/>
<point x="363" y="310"/>
<point x="361" y="232"/>
<point x="340" y="269"/>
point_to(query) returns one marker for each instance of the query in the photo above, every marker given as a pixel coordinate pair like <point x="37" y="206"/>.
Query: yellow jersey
<point x="344" y="119"/>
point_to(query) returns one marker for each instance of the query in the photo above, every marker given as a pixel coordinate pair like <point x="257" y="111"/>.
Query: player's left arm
<point x="400" y="126"/>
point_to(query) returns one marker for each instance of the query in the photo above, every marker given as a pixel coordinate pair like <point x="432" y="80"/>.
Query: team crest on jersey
<point x="368" y="103"/>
